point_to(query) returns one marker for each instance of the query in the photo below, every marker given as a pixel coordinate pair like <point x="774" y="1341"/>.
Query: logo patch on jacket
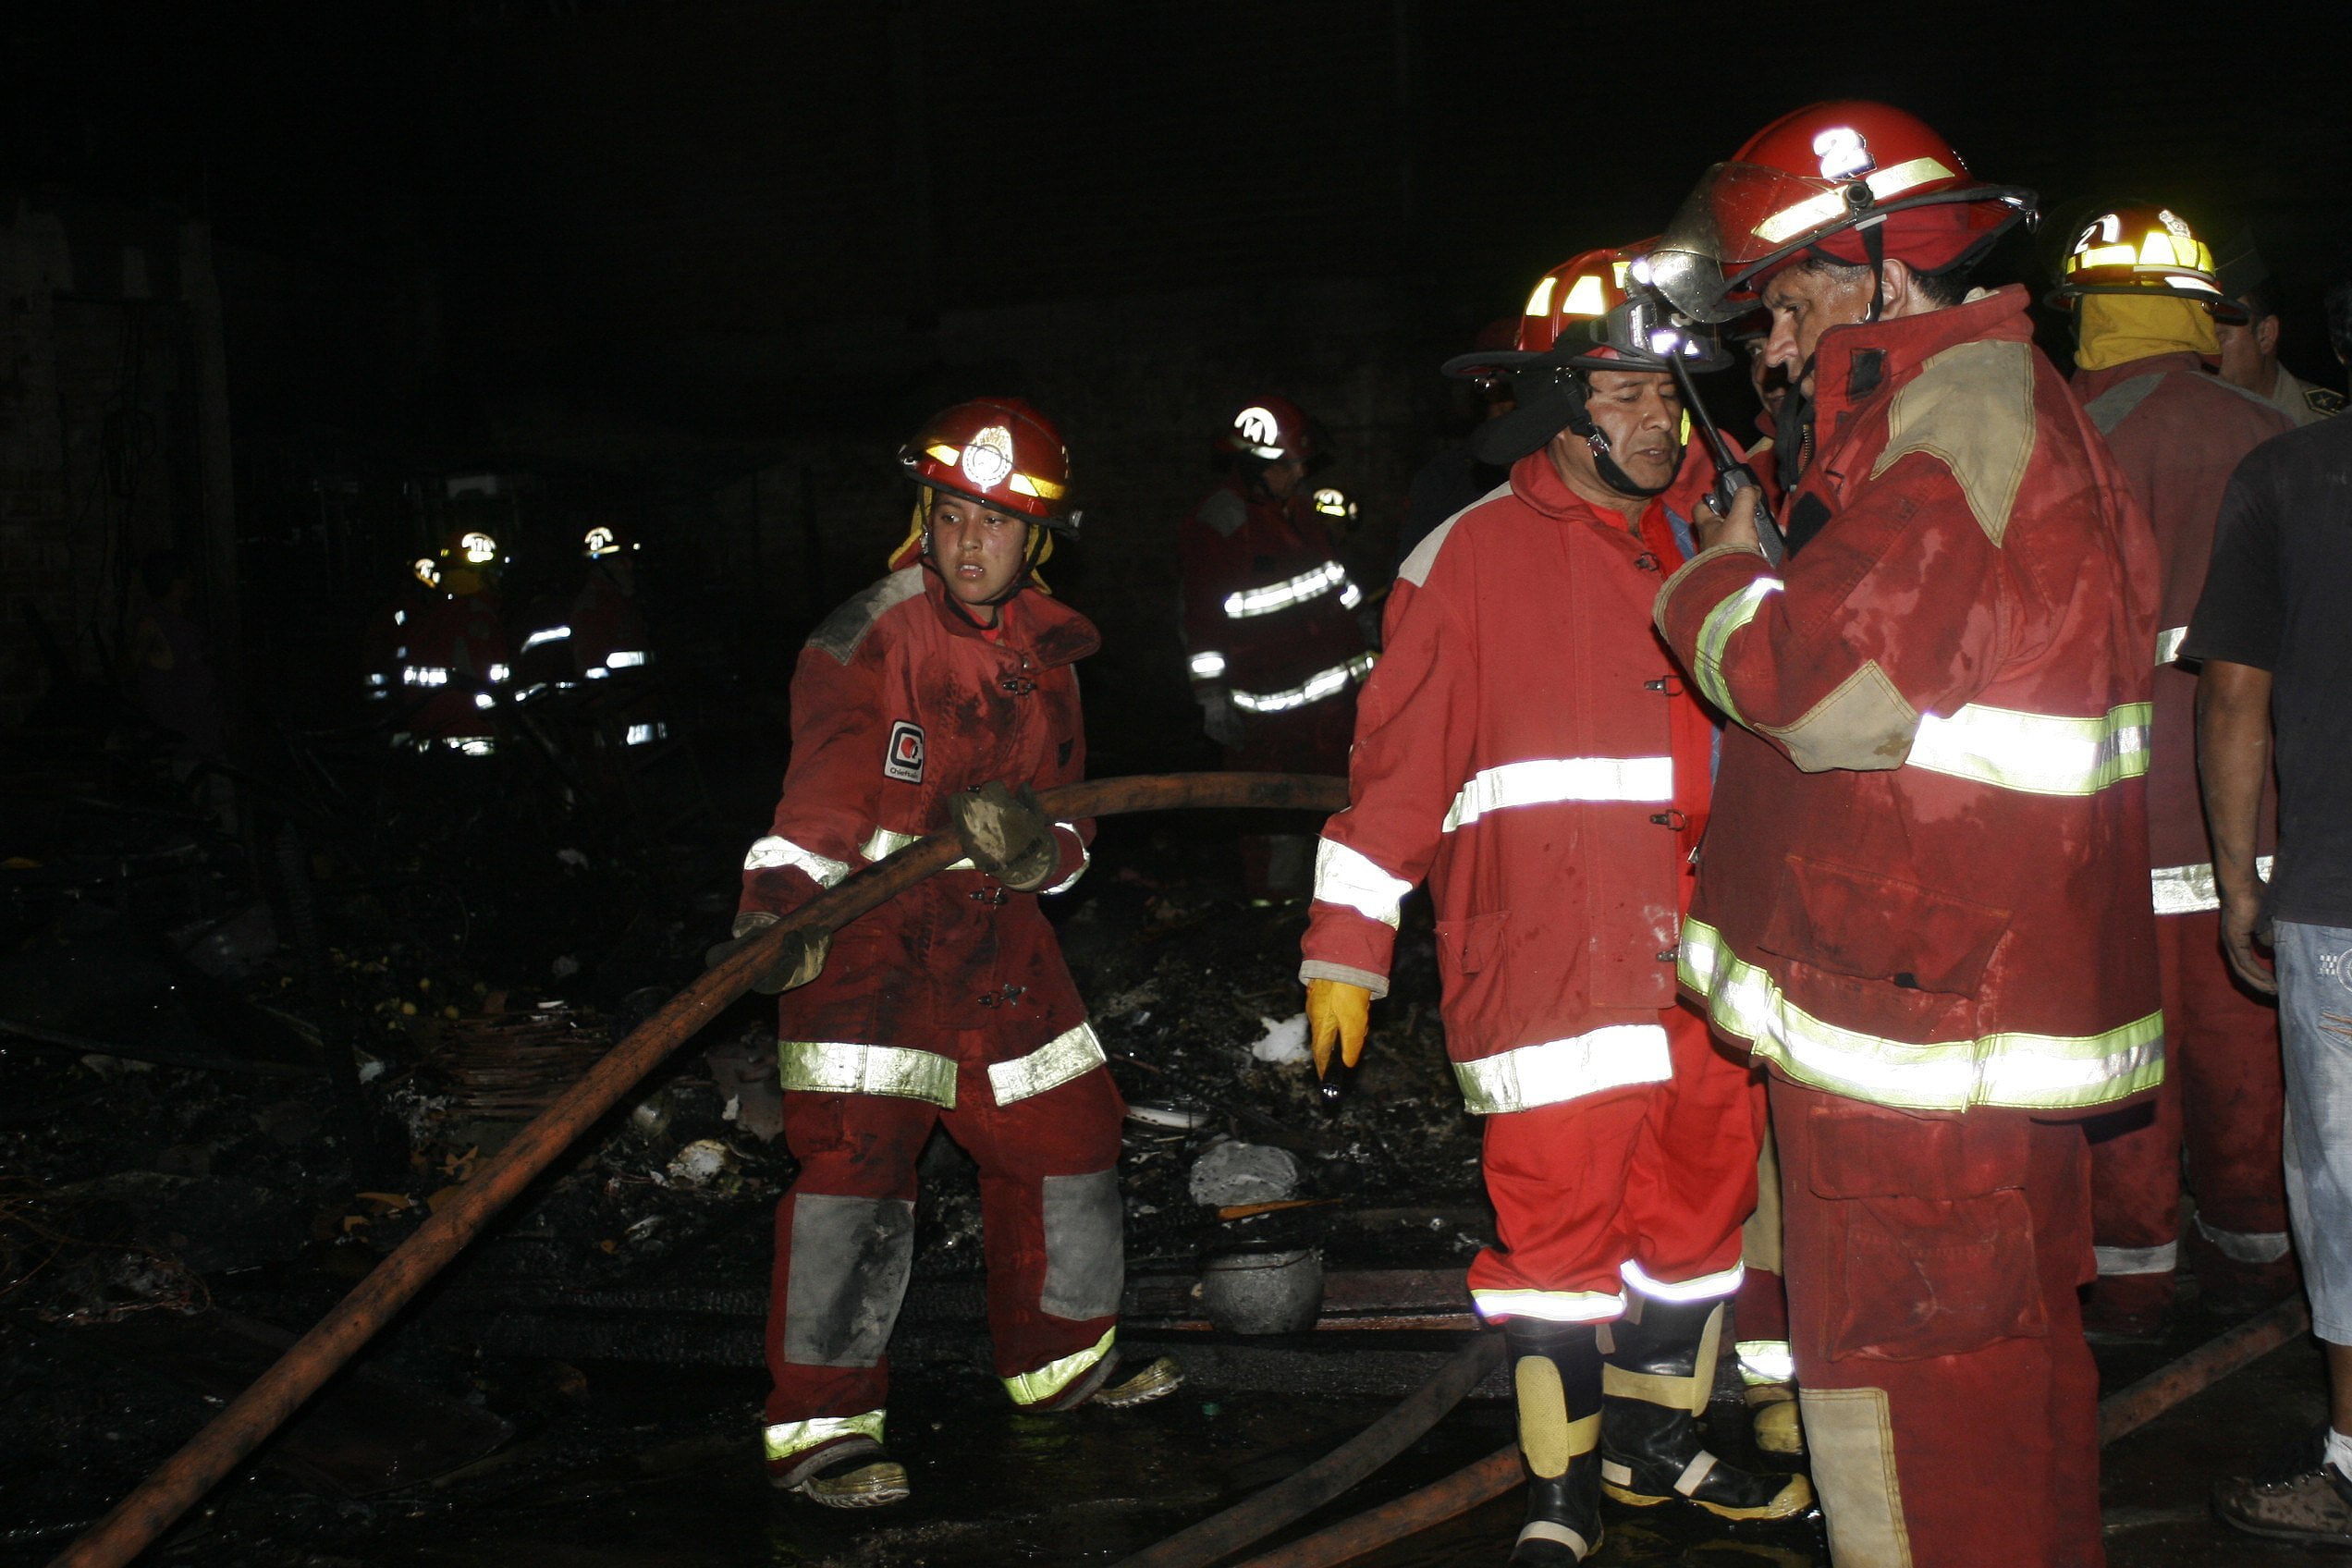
<point x="905" y="759"/>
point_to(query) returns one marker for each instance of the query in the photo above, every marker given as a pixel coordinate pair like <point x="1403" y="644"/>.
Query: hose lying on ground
<point x="131" y="1525"/>
<point x="1305" y="1491"/>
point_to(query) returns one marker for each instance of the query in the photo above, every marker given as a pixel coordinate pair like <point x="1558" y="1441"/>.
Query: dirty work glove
<point x="1006" y="834"/>
<point x="1337" y="1013"/>
<point x="801" y="959"/>
<point x="1220" y="720"/>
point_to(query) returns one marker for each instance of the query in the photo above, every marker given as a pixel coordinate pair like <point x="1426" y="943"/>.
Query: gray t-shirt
<point x="2279" y="597"/>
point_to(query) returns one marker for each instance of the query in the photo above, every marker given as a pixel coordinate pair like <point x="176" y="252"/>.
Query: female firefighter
<point x="942" y="695"/>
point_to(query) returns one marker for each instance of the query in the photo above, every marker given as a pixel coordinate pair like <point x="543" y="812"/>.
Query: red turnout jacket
<point x="1529" y="748"/>
<point x="1930" y="893"/>
<point x="1268" y="608"/>
<point x="898" y="702"/>
<point x="2177" y="431"/>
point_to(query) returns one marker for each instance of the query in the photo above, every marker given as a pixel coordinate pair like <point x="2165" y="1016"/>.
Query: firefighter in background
<point x="456" y="670"/>
<point x="383" y="646"/>
<point x="2146" y="301"/>
<point x="1270" y="634"/>
<point x="940" y="696"/>
<point x="1527" y="748"/>
<point x="594" y="633"/>
<point x="1923" y="901"/>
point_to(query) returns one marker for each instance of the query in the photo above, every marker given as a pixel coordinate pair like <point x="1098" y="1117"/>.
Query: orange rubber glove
<point x="1337" y="1013"/>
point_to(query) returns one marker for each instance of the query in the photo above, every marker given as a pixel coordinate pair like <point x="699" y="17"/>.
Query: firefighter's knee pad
<point x="1085" y="1247"/>
<point x="850" y="1261"/>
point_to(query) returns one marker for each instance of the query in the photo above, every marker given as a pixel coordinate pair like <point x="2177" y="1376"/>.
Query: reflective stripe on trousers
<point x="1528" y="1076"/>
<point x="1544" y="780"/>
<point x="1034" y="1388"/>
<point x="845" y="1067"/>
<point x="2012" y="1068"/>
<point x="788" y="1438"/>
<point x="1551" y="1306"/>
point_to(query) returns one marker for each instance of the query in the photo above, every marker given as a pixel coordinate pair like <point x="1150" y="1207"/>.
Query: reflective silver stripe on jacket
<point x="1715" y="631"/>
<point x="884" y="842"/>
<point x="1085" y="859"/>
<point x="772" y="854"/>
<point x="836" y="1067"/>
<point x="2168" y="644"/>
<point x="2034" y="753"/>
<point x="1544" y="780"/>
<point x="2011" y="1068"/>
<point x="1070" y="1054"/>
<point x="1321" y="684"/>
<point x="1348" y="876"/>
<point x="1283" y="594"/>
<point x="2190" y="890"/>
<point x="1608" y="1058"/>
<point x="1208" y="666"/>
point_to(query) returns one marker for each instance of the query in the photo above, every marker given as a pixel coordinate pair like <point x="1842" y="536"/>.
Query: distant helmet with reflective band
<point x="1853" y="181"/>
<point x="997" y="451"/>
<point x="2143" y="249"/>
<point x="1333" y="505"/>
<point x="1270" y="429"/>
<point x="603" y="540"/>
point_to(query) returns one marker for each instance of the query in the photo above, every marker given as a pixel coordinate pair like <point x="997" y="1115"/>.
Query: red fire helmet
<point x="997" y="451"/>
<point x="2143" y="249"/>
<point x="1269" y="428"/>
<point x="1595" y="312"/>
<point x="1822" y="179"/>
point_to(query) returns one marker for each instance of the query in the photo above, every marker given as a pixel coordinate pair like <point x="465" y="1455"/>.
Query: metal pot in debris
<point x="1263" y="1292"/>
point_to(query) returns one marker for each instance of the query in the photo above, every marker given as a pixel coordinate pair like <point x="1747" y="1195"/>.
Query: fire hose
<point x="133" y="1524"/>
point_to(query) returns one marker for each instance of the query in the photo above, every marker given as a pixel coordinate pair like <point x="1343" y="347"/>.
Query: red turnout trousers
<point x="845" y="1242"/>
<point x="1950" y="1404"/>
<point x="2224" y="1096"/>
<point x="1646" y="1186"/>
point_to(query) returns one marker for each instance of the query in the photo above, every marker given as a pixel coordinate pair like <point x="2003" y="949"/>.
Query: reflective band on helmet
<point x="1545" y="780"/>
<point x="2137" y="1261"/>
<point x="2190" y="890"/>
<point x="836" y="1067"/>
<point x="1344" y="876"/>
<point x="1208" y="667"/>
<point x="1283" y="594"/>
<point x="884" y="842"/>
<point x="2036" y="753"/>
<point x="1321" y="684"/>
<point x="646" y="734"/>
<point x="1528" y="1076"/>
<point x="788" y="1438"/>
<point x="1070" y="1054"/>
<point x="1716" y="630"/>
<point x="424" y="675"/>
<point x="1085" y="859"/>
<point x="1766" y="1361"/>
<point x="1706" y="1287"/>
<point x="2168" y="644"/>
<point x="2245" y="1247"/>
<point x="772" y="854"/>
<point x="2030" y="1071"/>
<point x="1829" y="205"/>
<point x="1553" y="1306"/>
<point x="1034" y="1388"/>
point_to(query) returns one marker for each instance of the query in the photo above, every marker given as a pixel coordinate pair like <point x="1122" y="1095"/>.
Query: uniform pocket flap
<point x="1867" y="1151"/>
<point x="1471" y="943"/>
<point x="1872" y="927"/>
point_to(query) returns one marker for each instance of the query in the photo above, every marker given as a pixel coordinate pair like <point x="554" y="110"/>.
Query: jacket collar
<point x="1537" y="485"/>
<point x="1853" y="363"/>
<point x="1036" y="624"/>
<point x="2089" y="384"/>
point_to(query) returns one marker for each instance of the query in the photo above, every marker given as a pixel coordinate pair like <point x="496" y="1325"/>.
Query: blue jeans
<point x="2315" y="1029"/>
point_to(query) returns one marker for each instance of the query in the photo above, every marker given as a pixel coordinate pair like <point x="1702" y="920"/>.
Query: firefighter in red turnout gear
<point x="941" y="695"/>
<point x="454" y="671"/>
<point x="1526" y="748"/>
<point x="1271" y="636"/>
<point x="2148" y="302"/>
<point x="1923" y="901"/>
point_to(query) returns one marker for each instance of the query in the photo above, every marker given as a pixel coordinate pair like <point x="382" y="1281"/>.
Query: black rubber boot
<point x="1661" y="1369"/>
<point x="1556" y="1370"/>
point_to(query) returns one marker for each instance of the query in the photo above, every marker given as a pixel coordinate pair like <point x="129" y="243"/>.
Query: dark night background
<point x="274" y="273"/>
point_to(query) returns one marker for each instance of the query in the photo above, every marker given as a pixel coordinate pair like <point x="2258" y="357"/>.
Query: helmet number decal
<point x="1258" y="427"/>
<point x="904" y="761"/>
<point x="1843" y="152"/>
